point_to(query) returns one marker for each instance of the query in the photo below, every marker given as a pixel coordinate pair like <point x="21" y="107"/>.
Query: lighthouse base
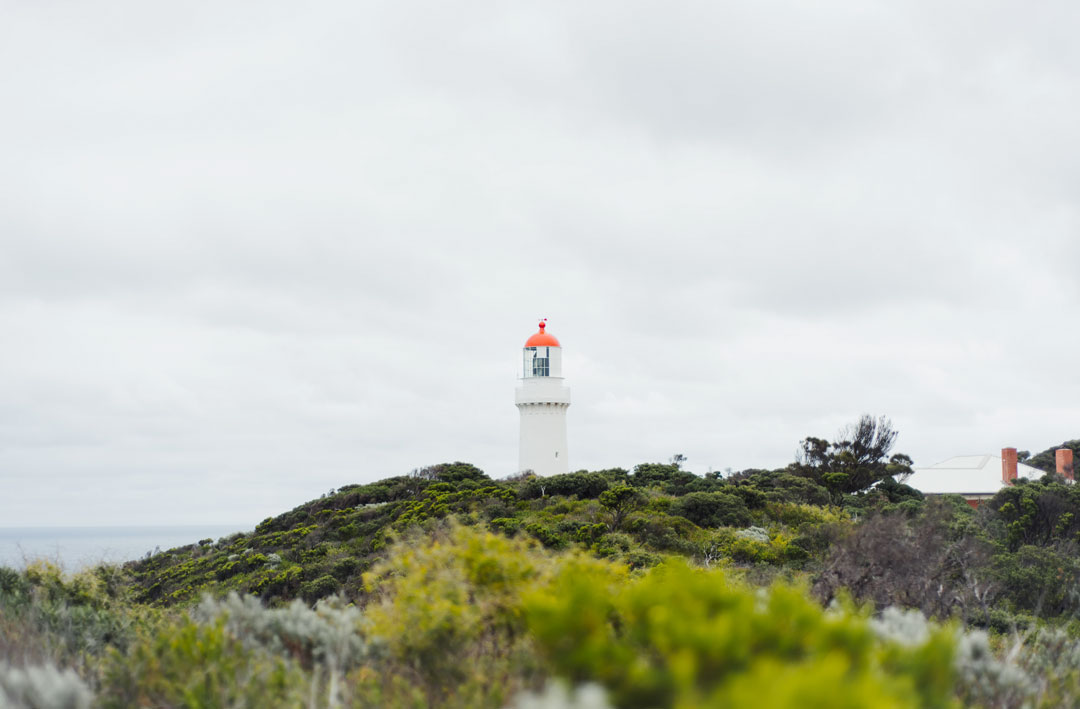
<point x="543" y="438"/>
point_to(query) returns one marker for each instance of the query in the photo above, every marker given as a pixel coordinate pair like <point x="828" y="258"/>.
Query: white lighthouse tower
<point x="542" y="400"/>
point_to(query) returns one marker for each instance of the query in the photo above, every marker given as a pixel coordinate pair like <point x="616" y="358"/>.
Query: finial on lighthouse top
<point x="542" y="338"/>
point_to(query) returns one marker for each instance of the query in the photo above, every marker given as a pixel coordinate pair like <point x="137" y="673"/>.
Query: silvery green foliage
<point x="983" y="678"/>
<point x="42" y="687"/>
<point x="908" y="628"/>
<point x="557" y="696"/>
<point x="1047" y="656"/>
<point x="1052" y="650"/>
<point x="273" y="559"/>
<point x="756" y="534"/>
<point x="331" y="632"/>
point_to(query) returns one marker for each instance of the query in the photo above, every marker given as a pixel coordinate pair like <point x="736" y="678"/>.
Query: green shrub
<point x="687" y="638"/>
<point x="449" y="613"/>
<point x="640" y="559"/>
<point x="1003" y="621"/>
<point x="14" y="589"/>
<point x="68" y="615"/>
<point x="183" y="663"/>
<point x="795" y="551"/>
<point x="546" y="536"/>
<point x="507" y="525"/>
<point x="590" y="533"/>
<point x="451" y="473"/>
<point x="582" y="485"/>
<point x="665" y="533"/>
<point x="665" y="477"/>
<point x="320" y="587"/>
<point x="613" y="545"/>
<point x="345" y="568"/>
<point x="1038" y="579"/>
<point x="713" y="509"/>
<point x="748" y="550"/>
<point x="753" y="498"/>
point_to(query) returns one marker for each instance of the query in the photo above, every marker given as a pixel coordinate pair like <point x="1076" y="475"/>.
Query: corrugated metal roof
<point x="966" y="474"/>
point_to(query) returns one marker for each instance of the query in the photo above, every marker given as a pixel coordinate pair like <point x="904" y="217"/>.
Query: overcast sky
<point x="252" y="251"/>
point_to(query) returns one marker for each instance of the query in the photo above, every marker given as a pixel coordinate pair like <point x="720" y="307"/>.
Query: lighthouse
<point x="542" y="399"/>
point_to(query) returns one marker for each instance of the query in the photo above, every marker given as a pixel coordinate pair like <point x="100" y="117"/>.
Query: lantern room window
<point x="537" y="362"/>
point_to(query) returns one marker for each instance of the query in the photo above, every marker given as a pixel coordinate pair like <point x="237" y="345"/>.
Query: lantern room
<point x="542" y="355"/>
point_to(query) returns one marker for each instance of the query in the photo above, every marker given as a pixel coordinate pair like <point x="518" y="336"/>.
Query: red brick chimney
<point x="1065" y="463"/>
<point x="1008" y="465"/>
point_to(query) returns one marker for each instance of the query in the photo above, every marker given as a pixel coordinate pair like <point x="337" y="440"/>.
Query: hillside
<point x="324" y="546"/>
<point x="1000" y="567"/>
<point x="612" y="588"/>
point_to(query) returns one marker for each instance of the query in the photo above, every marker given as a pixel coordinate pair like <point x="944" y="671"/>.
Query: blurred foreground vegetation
<point x="828" y="583"/>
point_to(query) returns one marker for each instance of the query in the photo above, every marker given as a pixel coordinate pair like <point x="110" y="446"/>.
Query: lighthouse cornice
<point x="523" y="397"/>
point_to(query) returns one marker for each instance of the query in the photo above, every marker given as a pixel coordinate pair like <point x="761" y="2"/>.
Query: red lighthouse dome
<point x="541" y="338"/>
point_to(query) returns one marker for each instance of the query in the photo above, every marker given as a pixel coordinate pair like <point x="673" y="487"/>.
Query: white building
<point x="542" y="399"/>
<point x="975" y="477"/>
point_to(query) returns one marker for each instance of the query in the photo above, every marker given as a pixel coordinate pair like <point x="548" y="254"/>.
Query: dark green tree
<point x="666" y="477"/>
<point x="1039" y="512"/>
<point x="621" y="501"/>
<point x="583" y="485"/>
<point x="854" y="462"/>
<point x="451" y="472"/>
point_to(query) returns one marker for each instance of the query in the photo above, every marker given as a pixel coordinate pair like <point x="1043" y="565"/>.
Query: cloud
<point x="250" y="253"/>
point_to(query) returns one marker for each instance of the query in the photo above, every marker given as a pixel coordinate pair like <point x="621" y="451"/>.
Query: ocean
<point x="75" y="548"/>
